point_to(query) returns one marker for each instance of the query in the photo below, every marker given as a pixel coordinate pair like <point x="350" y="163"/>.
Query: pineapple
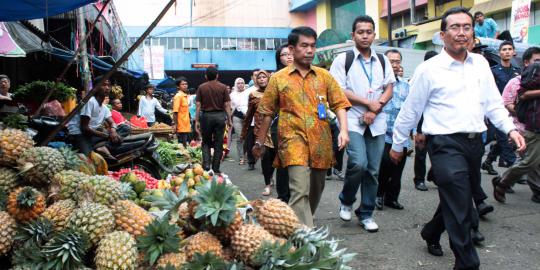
<point x="59" y="213"/>
<point x="7" y="232"/>
<point x="206" y="261"/>
<point x="37" y="231"/>
<point x="118" y="251"/>
<point x="203" y="242"/>
<point x="130" y="217"/>
<point x="40" y="164"/>
<point x="176" y="260"/>
<point x="247" y="240"/>
<point x="225" y="234"/>
<point x="13" y="143"/>
<point x="8" y="179"/>
<point x="103" y="189"/>
<point x="93" y="219"/>
<point x="73" y="162"/>
<point x="127" y="192"/>
<point x="65" y="183"/>
<point x="25" y="204"/>
<point x="276" y="217"/>
<point x="66" y="250"/>
<point x="160" y="237"/>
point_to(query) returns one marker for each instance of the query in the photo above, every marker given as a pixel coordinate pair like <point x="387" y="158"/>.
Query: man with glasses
<point x="454" y="90"/>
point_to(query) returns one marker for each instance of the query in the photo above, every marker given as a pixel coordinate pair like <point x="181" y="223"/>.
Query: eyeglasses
<point x="456" y="27"/>
<point x="285" y="54"/>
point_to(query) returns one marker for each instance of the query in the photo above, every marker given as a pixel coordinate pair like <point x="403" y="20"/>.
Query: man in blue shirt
<point x="485" y="27"/>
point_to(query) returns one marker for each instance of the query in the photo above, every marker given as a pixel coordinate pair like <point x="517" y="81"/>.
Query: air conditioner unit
<point x="399" y="34"/>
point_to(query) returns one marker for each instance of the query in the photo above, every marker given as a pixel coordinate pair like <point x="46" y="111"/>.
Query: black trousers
<point x="266" y="164"/>
<point x="212" y="129"/>
<point x="249" y="142"/>
<point x="337" y="153"/>
<point x="501" y="148"/>
<point x="390" y="176"/>
<point x="420" y="156"/>
<point x="456" y="167"/>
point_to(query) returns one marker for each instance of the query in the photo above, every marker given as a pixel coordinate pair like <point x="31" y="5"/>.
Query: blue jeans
<point x="364" y="159"/>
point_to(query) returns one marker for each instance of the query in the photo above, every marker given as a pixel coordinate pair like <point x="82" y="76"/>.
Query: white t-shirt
<point x="97" y="113"/>
<point x="147" y="108"/>
<point x="239" y="101"/>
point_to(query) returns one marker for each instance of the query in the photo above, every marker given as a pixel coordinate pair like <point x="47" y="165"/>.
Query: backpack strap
<point x="349" y="58"/>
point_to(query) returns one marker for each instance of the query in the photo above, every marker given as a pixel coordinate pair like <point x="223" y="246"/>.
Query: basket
<point x="156" y="131"/>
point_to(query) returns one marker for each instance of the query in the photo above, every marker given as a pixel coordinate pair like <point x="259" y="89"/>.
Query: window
<point x="195" y="43"/>
<point x="270" y="44"/>
<point x="154" y="41"/>
<point x="170" y="43"/>
<point x="244" y="44"/>
<point x="233" y="43"/>
<point x="502" y="20"/>
<point x="262" y="44"/>
<point x="535" y="14"/>
<point x="178" y="43"/>
<point x="147" y="42"/>
<point x="202" y="44"/>
<point x="186" y="43"/>
<point x="255" y="44"/>
<point x="163" y="41"/>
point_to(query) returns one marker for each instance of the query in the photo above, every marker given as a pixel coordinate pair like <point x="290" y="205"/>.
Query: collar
<point x="448" y="60"/>
<point x="292" y="68"/>
<point x="357" y="54"/>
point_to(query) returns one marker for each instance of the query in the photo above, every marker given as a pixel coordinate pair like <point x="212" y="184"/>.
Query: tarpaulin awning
<point x="33" y="9"/>
<point x="8" y="47"/>
<point x="95" y="62"/>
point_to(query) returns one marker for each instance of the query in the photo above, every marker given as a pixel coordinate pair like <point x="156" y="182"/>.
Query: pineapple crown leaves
<point x="66" y="250"/>
<point x="170" y="201"/>
<point x="167" y="267"/>
<point x="312" y="238"/>
<point x="27" y="197"/>
<point x="208" y="261"/>
<point x="217" y="203"/>
<point x="38" y="232"/>
<point x="160" y="238"/>
<point x="29" y="255"/>
<point x="272" y="255"/>
<point x="72" y="159"/>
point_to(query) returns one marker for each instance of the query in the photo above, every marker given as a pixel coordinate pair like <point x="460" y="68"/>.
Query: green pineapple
<point x="103" y="189"/>
<point x="127" y="192"/>
<point x="208" y="261"/>
<point x="73" y="162"/>
<point x="116" y="251"/>
<point x="8" y="179"/>
<point x="159" y="238"/>
<point x="93" y="219"/>
<point x="216" y="204"/>
<point x="65" y="183"/>
<point x="66" y="250"/>
<point x="40" y="164"/>
<point x="37" y="231"/>
<point x="28" y="256"/>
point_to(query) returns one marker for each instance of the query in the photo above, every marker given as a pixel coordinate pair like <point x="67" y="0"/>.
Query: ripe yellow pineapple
<point x="248" y="239"/>
<point x="65" y="183"/>
<point x="130" y="217"/>
<point x="7" y="232"/>
<point x="117" y="251"/>
<point x="93" y="219"/>
<point x="102" y="189"/>
<point x="13" y="142"/>
<point x="40" y="164"/>
<point x="8" y="179"/>
<point x="176" y="260"/>
<point x="25" y="204"/>
<point x="203" y="242"/>
<point x="276" y="217"/>
<point x="225" y="234"/>
<point x="59" y="212"/>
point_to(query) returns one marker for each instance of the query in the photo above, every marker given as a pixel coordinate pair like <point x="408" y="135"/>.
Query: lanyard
<point x="370" y="76"/>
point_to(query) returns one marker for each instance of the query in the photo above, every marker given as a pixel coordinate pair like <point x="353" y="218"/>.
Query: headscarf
<point x="235" y="89"/>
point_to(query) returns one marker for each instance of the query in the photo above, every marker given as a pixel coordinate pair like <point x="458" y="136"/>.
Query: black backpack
<point x="526" y="110"/>
<point x="349" y="58"/>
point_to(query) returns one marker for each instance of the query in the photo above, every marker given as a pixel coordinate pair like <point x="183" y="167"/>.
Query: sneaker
<point x="369" y="225"/>
<point x="345" y="212"/>
<point x="339" y="174"/>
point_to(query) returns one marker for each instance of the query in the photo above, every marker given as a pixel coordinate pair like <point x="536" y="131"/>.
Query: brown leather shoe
<point x="498" y="190"/>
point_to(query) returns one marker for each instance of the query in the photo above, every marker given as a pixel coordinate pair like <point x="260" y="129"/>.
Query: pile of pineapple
<point x="55" y="213"/>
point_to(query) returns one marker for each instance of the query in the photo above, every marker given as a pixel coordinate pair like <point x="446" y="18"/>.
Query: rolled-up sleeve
<point x="270" y="100"/>
<point x="336" y="97"/>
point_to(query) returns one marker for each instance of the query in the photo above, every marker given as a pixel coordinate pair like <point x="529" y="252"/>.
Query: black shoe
<point x="434" y="249"/>
<point x="379" y="203"/>
<point x="484" y="208"/>
<point x="536" y="198"/>
<point x="488" y="168"/>
<point x="510" y="190"/>
<point x="505" y="164"/>
<point x="477" y="237"/>
<point x="251" y="167"/>
<point x="420" y="185"/>
<point x="394" y="204"/>
<point x="430" y="175"/>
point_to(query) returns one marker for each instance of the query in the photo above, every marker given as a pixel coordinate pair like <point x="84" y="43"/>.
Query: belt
<point x="467" y="135"/>
<point x="212" y="111"/>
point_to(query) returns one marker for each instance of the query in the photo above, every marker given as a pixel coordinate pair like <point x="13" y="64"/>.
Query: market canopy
<point x="34" y="9"/>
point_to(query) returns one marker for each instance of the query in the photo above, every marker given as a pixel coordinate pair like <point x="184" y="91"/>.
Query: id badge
<point x="321" y="111"/>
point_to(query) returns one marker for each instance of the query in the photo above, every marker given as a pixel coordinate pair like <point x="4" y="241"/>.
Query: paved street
<point x="512" y="231"/>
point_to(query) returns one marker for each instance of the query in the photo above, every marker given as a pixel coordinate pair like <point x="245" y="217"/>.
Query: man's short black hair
<point x="295" y="34"/>
<point x="429" y="54"/>
<point x="180" y="80"/>
<point x="478" y="13"/>
<point x="363" y="18"/>
<point x="393" y="51"/>
<point x="149" y="86"/>
<point x="4" y="76"/>
<point x="211" y="73"/>
<point x="528" y="54"/>
<point x="505" y="43"/>
<point x="452" y="11"/>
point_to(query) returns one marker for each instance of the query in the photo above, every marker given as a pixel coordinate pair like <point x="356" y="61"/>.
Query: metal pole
<point x="389" y="22"/>
<point x="75" y="55"/>
<point x="109" y="73"/>
<point x="412" y="5"/>
<point x="81" y="25"/>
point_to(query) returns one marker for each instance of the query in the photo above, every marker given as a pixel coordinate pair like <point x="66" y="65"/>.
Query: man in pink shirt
<point x="509" y="97"/>
<point x="123" y="126"/>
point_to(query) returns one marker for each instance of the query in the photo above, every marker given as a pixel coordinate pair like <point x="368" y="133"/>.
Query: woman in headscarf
<point x="239" y="104"/>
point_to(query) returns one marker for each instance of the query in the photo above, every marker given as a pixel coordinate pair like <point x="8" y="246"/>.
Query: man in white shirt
<point x="148" y="106"/>
<point x="454" y="90"/>
<point x="84" y="129"/>
<point x="367" y="82"/>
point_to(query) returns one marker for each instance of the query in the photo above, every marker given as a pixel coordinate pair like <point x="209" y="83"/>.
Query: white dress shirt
<point x="454" y="98"/>
<point x="147" y="108"/>
<point x="239" y="100"/>
<point x="357" y="81"/>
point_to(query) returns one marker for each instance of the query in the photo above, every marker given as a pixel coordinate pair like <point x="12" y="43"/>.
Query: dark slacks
<point x="390" y="176"/>
<point x="266" y="164"/>
<point x="212" y="129"/>
<point x="420" y="156"/>
<point x="501" y="148"/>
<point x="456" y="167"/>
<point x="249" y="142"/>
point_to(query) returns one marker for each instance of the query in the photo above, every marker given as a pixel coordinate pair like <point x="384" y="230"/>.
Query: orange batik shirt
<point x="180" y="106"/>
<point x="303" y="138"/>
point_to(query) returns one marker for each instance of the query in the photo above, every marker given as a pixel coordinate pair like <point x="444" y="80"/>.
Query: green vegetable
<point x="36" y="91"/>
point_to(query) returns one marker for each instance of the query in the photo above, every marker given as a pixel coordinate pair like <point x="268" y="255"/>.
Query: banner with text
<point x="521" y="10"/>
<point x="154" y="62"/>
